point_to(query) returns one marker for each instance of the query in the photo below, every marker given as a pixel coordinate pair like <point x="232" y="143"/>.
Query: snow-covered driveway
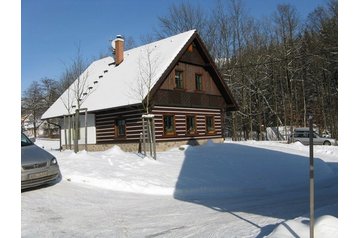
<point x="227" y="190"/>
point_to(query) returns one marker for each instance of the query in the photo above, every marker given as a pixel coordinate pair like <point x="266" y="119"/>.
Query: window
<point x="120" y="128"/>
<point x="190" y="125"/>
<point x="198" y="82"/>
<point x="210" y="125"/>
<point x="179" y="79"/>
<point x="169" y="125"/>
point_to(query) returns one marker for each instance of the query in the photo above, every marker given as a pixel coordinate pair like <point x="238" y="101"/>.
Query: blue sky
<point x="51" y="30"/>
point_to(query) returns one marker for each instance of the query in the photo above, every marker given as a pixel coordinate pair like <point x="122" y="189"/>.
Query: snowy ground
<point x="246" y="189"/>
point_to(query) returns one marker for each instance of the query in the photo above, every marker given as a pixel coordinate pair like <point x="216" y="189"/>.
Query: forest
<point x="281" y="69"/>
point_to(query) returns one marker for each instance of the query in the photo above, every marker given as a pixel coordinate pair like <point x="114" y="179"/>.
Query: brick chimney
<point x="118" y="49"/>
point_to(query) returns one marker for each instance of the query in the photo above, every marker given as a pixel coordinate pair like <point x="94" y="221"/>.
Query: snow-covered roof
<point x="118" y="86"/>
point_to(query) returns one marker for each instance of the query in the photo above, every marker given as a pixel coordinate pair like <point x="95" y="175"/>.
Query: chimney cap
<point x="119" y="37"/>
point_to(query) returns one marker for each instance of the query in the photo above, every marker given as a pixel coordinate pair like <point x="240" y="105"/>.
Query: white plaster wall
<point x="91" y="130"/>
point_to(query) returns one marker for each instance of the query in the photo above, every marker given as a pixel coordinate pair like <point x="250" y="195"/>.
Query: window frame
<point x="200" y="76"/>
<point x="171" y="133"/>
<point x="181" y="79"/>
<point x="116" y="128"/>
<point x="191" y="132"/>
<point x="212" y="131"/>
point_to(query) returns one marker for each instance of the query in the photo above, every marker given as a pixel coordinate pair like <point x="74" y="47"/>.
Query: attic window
<point x="198" y="82"/>
<point x="179" y="79"/>
<point x="101" y="76"/>
<point x="90" y="88"/>
<point x="84" y="94"/>
<point x="95" y="81"/>
<point x="106" y="71"/>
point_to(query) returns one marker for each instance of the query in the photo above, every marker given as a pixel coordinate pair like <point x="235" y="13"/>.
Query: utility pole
<point x="310" y="119"/>
<point x="76" y="131"/>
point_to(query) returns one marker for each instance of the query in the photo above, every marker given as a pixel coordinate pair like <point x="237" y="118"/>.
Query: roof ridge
<point x="163" y="39"/>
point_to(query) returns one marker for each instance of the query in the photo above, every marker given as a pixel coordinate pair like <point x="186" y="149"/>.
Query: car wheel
<point x="326" y="143"/>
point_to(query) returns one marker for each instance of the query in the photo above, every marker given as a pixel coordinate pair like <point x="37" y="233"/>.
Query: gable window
<point x="210" y="124"/>
<point x="169" y="125"/>
<point x="198" y="82"/>
<point x="190" y="125"/>
<point x="120" y="127"/>
<point x="179" y="79"/>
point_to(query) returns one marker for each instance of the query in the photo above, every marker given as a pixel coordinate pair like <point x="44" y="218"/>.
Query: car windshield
<point x="25" y="141"/>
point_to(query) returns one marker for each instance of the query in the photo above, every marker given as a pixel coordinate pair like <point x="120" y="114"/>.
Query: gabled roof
<point x="117" y="86"/>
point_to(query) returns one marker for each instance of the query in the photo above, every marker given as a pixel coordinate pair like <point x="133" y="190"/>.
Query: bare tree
<point x="287" y="23"/>
<point x="51" y="93"/>
<point x="33" y="105"/>
<point x="77" y="92"/>
<point x="182" y="17"/>
<point x="67" y="100"/>
<point x="279" y="68"/>
<point x="51" y="90"/>
<point x="147" y="65"/>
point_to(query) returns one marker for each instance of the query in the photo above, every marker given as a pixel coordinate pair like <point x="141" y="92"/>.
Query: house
<point x="174" y="78"/>
<point x="43" y="128"/>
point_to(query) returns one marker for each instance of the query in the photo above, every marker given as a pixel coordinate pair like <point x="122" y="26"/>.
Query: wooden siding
<point x="185" y="99"/>
<point x="192" y="55"/>
<point x="189" y="71"/>
<point x="167" y="100"/>
<point x="105" y="125"/>
<point x="180" y="114"/>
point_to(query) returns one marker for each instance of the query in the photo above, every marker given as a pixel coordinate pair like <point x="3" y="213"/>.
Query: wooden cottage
<point x="176" y="75"/>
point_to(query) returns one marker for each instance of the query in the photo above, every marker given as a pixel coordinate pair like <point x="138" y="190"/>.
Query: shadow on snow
<point x="238" y="179"/>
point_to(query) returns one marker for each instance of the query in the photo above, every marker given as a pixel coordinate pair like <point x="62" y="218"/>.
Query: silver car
<point x="302" y="135"/>
<point x="37" y="165"/>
